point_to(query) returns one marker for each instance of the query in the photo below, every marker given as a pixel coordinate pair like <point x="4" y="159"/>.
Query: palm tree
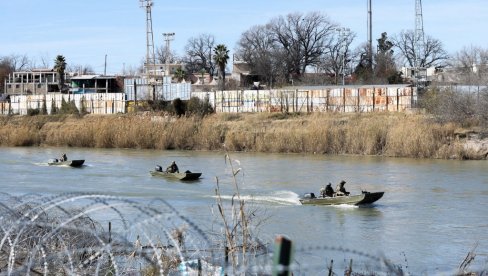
<point x="60" y="66"/>
<point x="180" y="74"/>
<point x="221" y="56"/>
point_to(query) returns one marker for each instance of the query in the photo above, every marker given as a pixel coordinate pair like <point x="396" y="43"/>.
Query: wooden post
<point x="327" y="100"/>
<point x="282" y="256"/>
<point x="359" y="99"/>
<point x="308" y="110"/>
<point x="398" y="100"/>
<point x="257" y="100"/>
<point x="373" y="99"/>
<point x="135" y="95"/>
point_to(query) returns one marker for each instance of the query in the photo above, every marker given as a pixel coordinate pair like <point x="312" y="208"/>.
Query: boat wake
<point x="278" y="197"/>
<point x="344" y="206"/>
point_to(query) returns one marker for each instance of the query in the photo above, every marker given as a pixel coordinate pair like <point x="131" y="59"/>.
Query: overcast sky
<point x="84" y="31"/>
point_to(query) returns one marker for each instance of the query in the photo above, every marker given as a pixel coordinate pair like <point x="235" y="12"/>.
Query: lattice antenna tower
<point x="150" y="57"/>
<point x="419" y="40"/>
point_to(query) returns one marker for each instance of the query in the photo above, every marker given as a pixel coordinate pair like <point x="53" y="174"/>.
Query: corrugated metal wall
<point x="324" y="99"/>
<point x="99" y="103"/>
<point x="332" y="99"/>
<point x="167" y="91"/>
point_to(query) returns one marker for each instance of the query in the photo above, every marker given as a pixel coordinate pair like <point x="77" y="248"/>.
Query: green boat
<point x="184" y="176"/>
<point x="67" y="163"/>
<point x="360" y="199"/>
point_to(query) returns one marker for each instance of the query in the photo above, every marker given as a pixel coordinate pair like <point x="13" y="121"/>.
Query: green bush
<point x="451" y="106"/>
<point x="33" y="112"/>
<point x="196" y="106"/>
<point x="69" y="107"/>
<point x="179" y="107"/>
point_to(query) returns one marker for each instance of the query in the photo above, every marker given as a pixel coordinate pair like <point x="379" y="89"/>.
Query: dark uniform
<point x="173" y="168"/>
<point x="341" y="190"/>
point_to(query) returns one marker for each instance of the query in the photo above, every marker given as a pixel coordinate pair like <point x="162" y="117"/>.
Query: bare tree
<point x="471" y="65"/>
<point x="17" y="62"/>
<point x="45" y="61"/>
<point x="433" y="54"/>
<point x="304" y="39"/>
<point x="337" y="57"/>
<point x="10" y="64"/>
<point x="198" y="54"/>
<point x="81" y="69"/>
<point x="286" y="46"/>
<point x="165" y="55"/>
<point x="258" y="48"/>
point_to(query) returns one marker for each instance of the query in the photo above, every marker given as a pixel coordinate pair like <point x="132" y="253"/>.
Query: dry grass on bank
<point x="388" y="134"/>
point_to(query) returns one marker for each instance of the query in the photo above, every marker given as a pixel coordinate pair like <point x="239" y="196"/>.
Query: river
<point x="432" y="214"/>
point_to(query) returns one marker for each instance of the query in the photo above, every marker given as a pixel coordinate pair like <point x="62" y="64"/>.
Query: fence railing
<point x="330" y="99"/>
<point x="96" y="103"/>
<point x="336" y="99"/>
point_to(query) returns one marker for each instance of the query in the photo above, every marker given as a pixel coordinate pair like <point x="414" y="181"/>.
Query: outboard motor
<point x="309" y="196"/>
<point x="159" y="168"/>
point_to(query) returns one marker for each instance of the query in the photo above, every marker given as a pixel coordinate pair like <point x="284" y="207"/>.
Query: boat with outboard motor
<point x="174" y="173"/>
<point x="185" y="176"/>
<point x="360" y="199"/>
<point x="67" y="163"/>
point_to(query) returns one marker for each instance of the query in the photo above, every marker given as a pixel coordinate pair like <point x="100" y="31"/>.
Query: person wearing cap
<point x="173" y="168"/>
<point x="341" y="190"/>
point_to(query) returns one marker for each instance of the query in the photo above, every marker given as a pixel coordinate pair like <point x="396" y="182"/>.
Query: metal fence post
<point x="282" y="256"/>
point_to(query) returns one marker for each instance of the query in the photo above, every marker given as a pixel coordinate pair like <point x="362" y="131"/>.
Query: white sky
<point x="84" y="31"/>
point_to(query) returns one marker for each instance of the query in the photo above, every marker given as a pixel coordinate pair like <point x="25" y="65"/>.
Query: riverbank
<point x="384" y="134"/>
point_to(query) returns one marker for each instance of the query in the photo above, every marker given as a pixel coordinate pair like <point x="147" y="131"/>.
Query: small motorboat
<point x="184" y="176"/>
<point x="68" y="163"/>
<point x="360" y="199"/>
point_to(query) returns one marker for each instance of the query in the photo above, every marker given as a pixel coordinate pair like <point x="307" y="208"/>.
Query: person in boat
<point x="173" y="168"/>
<point x="63" y="158"/>
<point x="159" y="168"/>
<point x="327" y="191"/>
<point x="341" y="190"/>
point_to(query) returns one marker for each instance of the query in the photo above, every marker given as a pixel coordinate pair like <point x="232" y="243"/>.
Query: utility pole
<point x="343" y="38"/>
<point x="370" y="34"/>
<point x="168" y="37"/>
<point x="105" y="66"/>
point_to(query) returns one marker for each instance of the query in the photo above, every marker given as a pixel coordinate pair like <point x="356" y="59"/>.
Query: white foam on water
<point x="278" y="197"/>
<point x="345" y="206"/>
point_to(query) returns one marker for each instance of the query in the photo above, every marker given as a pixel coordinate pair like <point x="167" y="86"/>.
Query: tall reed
<point x="389" y="134"/>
